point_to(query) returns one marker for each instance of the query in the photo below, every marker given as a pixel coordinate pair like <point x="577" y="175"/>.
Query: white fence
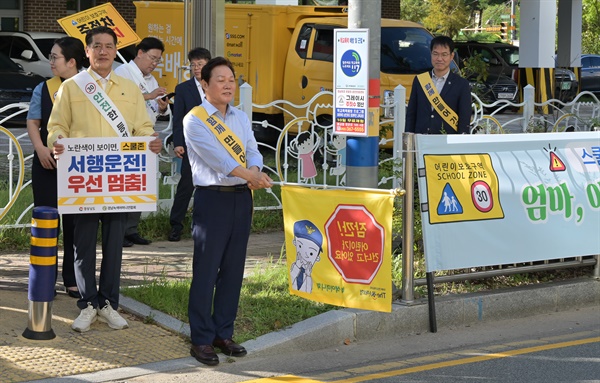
<point x="308" y="137"/>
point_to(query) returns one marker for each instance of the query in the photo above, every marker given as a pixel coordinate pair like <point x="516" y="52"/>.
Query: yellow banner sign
<point x="461" y="187"/>
<point x="339" y="249"/>
<point x="78" y="24"/>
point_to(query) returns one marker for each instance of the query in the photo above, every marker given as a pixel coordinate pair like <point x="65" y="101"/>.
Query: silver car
<point x="29" y="49"/>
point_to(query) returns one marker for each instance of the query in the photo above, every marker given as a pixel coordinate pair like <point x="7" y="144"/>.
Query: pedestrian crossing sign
<point x="461" y="187"/>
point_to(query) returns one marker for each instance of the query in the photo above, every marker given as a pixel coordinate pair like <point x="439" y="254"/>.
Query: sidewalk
<point x="102" y="348"/>
<point x="160" y="345"/>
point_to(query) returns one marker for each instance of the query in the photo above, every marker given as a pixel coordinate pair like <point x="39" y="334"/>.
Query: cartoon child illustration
<point x="306" y="144"/>
<point x="308" y="241"/>
<point x="339" y="145"/>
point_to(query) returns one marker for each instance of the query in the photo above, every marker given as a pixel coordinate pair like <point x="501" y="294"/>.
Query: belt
<point x="230" y="189"/>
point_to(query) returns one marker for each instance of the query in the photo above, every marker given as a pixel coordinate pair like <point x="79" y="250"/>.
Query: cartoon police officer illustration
<point x="308" y="241"/>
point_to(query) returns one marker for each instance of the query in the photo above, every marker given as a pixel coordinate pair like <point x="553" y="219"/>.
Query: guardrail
<point x="287" y="161"/>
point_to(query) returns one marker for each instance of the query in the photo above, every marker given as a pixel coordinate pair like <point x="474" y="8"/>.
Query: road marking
<point x="284" y="378"/>
<point x="459" y="362"/>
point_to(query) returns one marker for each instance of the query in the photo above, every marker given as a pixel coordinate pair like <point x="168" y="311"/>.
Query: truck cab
<point x="404" y="53"/>
<point x="286" y="53"/>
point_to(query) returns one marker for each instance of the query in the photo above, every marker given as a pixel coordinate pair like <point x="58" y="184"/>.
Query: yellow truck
<point x="286" y="53"/>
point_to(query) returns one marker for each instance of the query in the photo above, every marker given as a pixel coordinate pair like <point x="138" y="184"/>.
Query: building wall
<point x="390" y="9"/>
<point x="125" y="8"/>
<point x="41" y="15"/>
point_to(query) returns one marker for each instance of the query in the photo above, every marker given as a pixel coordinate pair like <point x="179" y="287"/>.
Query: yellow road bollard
<point x="42" y="272"/>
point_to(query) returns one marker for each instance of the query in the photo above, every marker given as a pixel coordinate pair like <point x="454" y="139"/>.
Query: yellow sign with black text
<point x="461" y="187"/>
<point x="78" y="24"/>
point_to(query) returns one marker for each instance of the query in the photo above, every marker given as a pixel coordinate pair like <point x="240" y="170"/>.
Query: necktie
<point x="300" y="278"/>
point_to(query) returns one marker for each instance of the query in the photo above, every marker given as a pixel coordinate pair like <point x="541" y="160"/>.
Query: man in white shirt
<point x="148" y="56"/>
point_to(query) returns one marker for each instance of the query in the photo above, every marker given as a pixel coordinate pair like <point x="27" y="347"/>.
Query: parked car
<point x="590" y="73"/>
<point x="495" y="88"/>
<point x="504" y="59"/>
<point x="15" y="85"/>
<point x="31" y="50"/>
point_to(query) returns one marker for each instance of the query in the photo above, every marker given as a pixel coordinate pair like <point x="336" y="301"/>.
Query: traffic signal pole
<point x="363" y="152"/>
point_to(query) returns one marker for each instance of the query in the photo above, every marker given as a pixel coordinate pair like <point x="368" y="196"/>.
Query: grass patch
<point x="265" y="302"/>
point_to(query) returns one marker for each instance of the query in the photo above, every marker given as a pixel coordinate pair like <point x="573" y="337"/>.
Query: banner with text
<point x="338" y="246"/>
<point x="105" y="15"/>
<point x="106" y="175"/>
<point x="508" y="198"/>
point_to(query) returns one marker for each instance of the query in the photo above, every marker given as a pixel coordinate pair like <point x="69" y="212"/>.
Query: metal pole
<point x="399" y="125"/>
<point x="513" y="31"/>
<point x="363" y="152"/>
<point x="209" y="30"/>
<point x="408" y="156"/>
<point x="186" y="30"/>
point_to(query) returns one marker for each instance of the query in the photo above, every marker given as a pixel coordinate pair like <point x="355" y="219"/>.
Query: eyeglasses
<point x="444" y="55"/>
<point x="98" y="47"/>
<point x="196" y="65"/>
<point x="155" y="60"/>
<point x="52" y="57"/>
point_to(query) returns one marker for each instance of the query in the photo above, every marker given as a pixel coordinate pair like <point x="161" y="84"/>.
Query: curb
<point x="336" y="327"/>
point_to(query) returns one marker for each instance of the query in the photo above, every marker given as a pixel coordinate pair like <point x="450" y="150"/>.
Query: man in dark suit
<point x="188" y="94"/>
<point x="447" y="110"/>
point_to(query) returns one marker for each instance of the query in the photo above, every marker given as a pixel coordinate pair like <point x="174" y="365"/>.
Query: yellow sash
<point x="226" y="137"/>
<point x="53" y="84"/>
<point x="438" y="103"/>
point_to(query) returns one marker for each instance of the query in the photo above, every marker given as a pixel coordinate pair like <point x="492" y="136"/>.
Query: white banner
<point x="508" y="198"/>
<point x="104" y="175"/>
<point x="351" y="81"/>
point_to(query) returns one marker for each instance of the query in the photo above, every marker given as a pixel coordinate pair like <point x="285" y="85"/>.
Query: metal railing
<point x="575" y="115"/>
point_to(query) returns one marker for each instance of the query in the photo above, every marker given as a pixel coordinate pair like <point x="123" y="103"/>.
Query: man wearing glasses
<point x="76" y="115"/>
<point x="148" y="56"/>
<point x="440" y="101"/>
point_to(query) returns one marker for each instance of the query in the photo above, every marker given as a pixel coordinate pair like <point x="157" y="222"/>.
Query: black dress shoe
<point x="73" y="293"/>
<point x="127" y="243"/>
<point x="135" y="238"/>
<point x="205" y="354"/>
<point x="175" y="235"/>
<point x="229" y="347"/>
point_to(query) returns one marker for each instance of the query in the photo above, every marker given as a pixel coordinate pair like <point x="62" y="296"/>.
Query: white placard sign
<point x="351" y="81"/>
<point x="106" y="175"/>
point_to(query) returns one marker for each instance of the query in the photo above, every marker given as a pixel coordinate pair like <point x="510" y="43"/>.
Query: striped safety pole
<point x="42" y="272"/>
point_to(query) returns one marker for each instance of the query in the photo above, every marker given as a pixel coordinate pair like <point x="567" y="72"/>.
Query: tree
<point x="446" y="17"/>
<point x="590" y="43"/>
<point x="414" y="10"/>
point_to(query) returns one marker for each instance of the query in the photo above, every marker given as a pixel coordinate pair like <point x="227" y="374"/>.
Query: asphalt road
<point x="557" y="347"/>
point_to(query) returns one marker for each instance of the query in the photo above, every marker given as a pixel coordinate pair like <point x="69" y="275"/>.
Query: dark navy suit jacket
<point x="420" y="118"/>
<point x="186" y="97"/>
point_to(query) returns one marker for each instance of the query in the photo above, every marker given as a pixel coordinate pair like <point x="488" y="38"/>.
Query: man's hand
<point x="158" y="92"/>
<point x="156" y="144"/>
<point x="162" y="105"/>
<point x="179" y="151"/>
<point x="258" y="180"/>
<point x="58" y="148"/>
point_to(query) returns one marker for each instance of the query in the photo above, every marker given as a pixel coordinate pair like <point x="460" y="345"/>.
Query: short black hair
<point x="97" y="31"/>
<point x="148" y="43"/>
<point x="72" y="48"/>
<point x="206" y="72"/>
<point x="199" y="54"/>
<point x="443" y="41"/>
